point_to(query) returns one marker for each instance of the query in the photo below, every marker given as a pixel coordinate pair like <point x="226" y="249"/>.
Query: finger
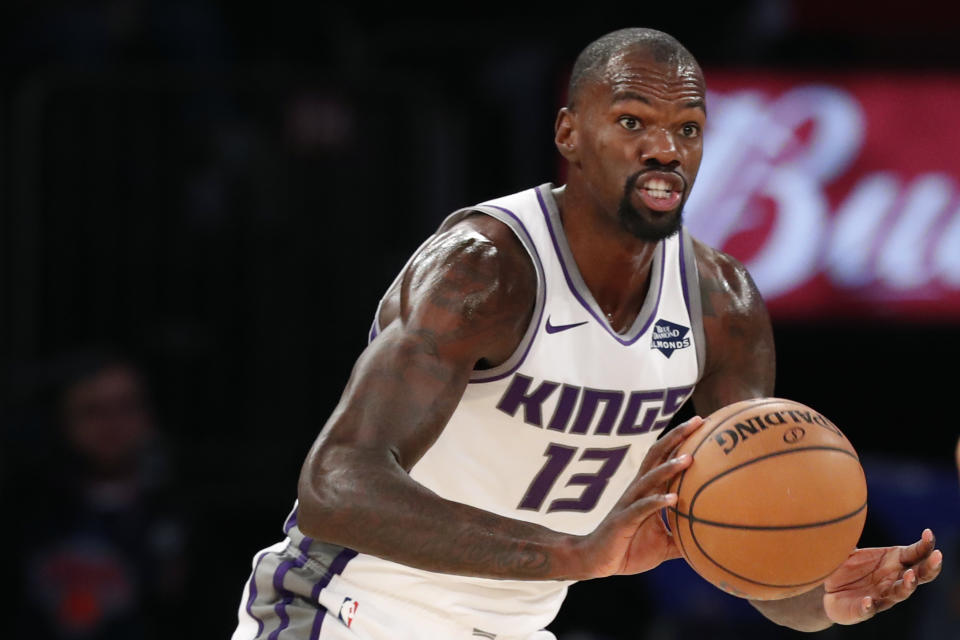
<point x="673" y="550"/>
<point x="849" y="611"/>
<point x="919" y="550"/>
<point x="657" y="478"/>
<point x="929" y="568"/>
<point x="640" y="510"/>
<point x="664" y="447"/>
<point x="686" y="428"/>
<point x="900" y="591"/>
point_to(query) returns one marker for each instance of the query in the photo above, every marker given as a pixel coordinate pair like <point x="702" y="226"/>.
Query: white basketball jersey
<point x="555" y="434"/>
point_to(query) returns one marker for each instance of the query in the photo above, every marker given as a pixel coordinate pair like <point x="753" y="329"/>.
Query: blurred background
<point x="202" y="201"/>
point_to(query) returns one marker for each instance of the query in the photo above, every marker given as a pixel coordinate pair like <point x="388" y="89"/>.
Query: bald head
<point x="592" y="62"/>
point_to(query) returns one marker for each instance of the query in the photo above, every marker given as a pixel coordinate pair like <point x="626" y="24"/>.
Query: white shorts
<point x="287" y="598"/>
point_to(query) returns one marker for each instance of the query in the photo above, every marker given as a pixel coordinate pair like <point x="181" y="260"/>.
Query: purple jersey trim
<point x="318" y="624"/>
<point x="291" y="521"/>
<point x="656" y="305"/>
<point x="527" y="241"/>
<point x="683" y="274"/>
<point x="583" y="302"/>
<point x="321" y="611"/>
<point x="252" y="595"/>
<point x="281" y="607"/>
<point x="691" y="296"/>
<point x="478" y="375"/>
<point x="281" y="610"/>
<point x="336" y="568"/>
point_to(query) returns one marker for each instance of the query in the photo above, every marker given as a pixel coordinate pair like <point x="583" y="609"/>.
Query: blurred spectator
<point x="93" y="515"/>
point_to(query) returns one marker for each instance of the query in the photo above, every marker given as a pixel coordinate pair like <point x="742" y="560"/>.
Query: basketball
<point x="774" y="501"/>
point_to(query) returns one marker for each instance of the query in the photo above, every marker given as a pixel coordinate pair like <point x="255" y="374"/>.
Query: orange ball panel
<point x="780" y="491"/>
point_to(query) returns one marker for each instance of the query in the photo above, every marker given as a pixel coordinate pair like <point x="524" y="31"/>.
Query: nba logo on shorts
<point x="347" y="610"/>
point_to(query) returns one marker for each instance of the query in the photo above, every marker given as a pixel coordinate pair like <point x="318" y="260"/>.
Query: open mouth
<point x="660" y="190"/>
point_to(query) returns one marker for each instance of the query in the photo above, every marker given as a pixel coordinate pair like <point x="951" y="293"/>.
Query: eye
<point x="690" y="130"/>
<point x="630" y="123"/>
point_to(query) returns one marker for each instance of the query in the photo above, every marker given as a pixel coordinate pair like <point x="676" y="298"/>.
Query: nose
<point x="660" y="148"/>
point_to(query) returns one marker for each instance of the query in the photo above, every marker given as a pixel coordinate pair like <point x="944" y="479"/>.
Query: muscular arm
<point x="740" y="352"/>
<point x="466" y="298"/>
<point x="741" y="365"/>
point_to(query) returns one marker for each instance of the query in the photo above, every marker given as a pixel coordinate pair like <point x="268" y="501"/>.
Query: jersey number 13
<point x="559" y="458"/>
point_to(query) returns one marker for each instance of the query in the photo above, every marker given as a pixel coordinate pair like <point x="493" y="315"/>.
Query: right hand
<point x="633" y="537"/>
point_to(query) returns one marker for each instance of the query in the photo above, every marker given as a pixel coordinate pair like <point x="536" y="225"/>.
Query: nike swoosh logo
<point x="556" y="328"/>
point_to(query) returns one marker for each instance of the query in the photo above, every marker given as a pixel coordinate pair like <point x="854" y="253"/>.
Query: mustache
<point x="631" y="182"/>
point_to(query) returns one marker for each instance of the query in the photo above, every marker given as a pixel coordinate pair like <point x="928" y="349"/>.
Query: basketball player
<point x="498" y="438"/>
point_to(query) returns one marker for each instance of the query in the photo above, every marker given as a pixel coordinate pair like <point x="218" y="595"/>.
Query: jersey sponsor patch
<point x="348" y="610"/>
<point x="669" y="336"/>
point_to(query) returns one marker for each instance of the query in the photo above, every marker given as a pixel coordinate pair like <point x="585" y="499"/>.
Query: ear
<point x="565" y="134"/>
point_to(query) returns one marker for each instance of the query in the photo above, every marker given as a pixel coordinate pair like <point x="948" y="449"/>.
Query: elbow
<point x="339" y="486"/>
<point x="805" y="627"/>
<point x="317" y="501"/>
<point x="800" y="613"/>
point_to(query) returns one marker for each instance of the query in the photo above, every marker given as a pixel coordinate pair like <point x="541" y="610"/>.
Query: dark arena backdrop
<point x="208" y="199"/>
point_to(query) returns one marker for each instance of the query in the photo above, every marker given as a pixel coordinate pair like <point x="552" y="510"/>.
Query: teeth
<point x="657" y="185"/>
<point x="657" y="193"/>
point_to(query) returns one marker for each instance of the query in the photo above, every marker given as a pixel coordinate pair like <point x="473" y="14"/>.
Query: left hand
<point x="875" y="579"/>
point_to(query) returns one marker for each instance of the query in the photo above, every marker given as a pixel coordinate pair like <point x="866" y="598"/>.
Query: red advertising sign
<point x="841" y="193"/>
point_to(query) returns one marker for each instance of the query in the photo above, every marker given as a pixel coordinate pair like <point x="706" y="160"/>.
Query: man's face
<point x="640" y="140"/>
<point x="107" y="419"/>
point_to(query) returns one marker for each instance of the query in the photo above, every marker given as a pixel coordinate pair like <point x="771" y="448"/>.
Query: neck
<point x="614" y="263"/>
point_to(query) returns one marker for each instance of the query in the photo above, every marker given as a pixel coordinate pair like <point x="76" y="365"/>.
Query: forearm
<point x="373" y="506"/>
<point x="803" y="612"/>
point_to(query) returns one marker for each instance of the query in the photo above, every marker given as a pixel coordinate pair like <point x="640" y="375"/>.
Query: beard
<point x="642" y="227"/>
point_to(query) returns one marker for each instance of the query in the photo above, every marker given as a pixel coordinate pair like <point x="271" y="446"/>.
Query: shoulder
<point x="482" y="243"/>
<point x="474" y="277"/>
<point x="741" y="360"/>
<point x="726" y="287"/>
